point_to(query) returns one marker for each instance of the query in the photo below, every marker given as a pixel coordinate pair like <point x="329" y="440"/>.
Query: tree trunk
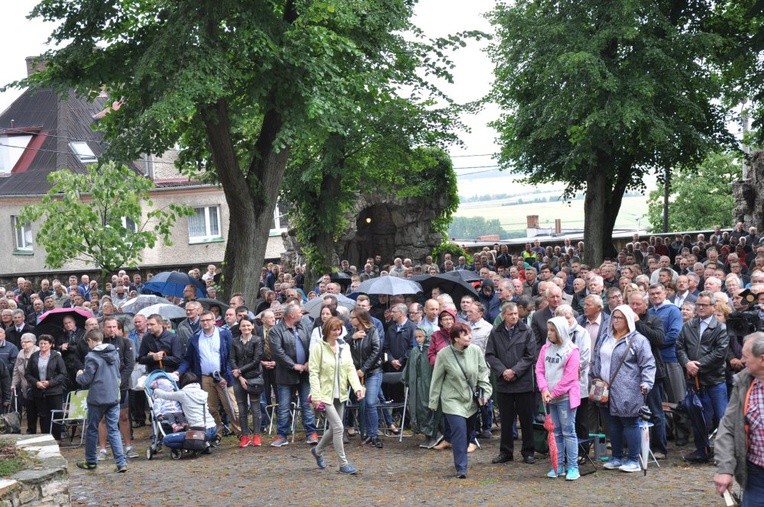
<point x="594" y="217"/>
<point x="666" y="194"/>
<point x="251" y="199"/>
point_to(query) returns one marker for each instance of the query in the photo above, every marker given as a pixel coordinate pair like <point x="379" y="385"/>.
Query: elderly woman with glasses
<point x="622" y="358"/>
<point x="19" y="384"/>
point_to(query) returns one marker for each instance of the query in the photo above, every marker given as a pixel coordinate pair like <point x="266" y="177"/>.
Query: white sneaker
<point x="130" y="452"/>
<point x="102" y="455"/>
<point x="630" y="467"/>
<point x="612" y="464"/>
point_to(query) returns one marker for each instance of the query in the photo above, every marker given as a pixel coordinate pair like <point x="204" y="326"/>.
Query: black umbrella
<point x="341" y="278"/>
<point x="208" y="302"/>
<point x="694" y="408"/>
<point x="464" y="275"/>
<point x="457" y="289"/>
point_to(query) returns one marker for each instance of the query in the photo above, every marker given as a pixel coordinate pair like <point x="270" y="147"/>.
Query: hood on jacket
<point x="449" y="311"/>
<point x="487" y="282"/>
<point x="108" y="352"/>
<point x="195" y="392"/>
<point x="627" y="312"/>
<point x="563" y="331"/>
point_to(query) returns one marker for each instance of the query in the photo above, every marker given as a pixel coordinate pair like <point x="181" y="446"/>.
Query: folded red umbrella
<point x="550" y="440"/>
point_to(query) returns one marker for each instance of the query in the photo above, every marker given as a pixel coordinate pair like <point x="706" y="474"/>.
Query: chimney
<point x="557" y="226"/>
<point x="35" y="64"/>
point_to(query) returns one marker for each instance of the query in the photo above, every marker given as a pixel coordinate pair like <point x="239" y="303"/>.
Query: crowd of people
<point x="540" y="328"/>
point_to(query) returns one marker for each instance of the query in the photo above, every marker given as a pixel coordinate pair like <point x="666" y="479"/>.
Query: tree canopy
<point x="597" y="94"/>
<point x="98" y="218"/>
<point x="236" y="84"/>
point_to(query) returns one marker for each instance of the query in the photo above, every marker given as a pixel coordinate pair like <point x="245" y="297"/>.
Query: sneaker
<point x="486" y="434"/>
<point x="312" y="438"/>
<point x="377" y="443"/>
<point x="552" y="474"/>
<point x="572" y="475"/>
<point x="102" y="455"/>
<point x="319" y="458"/>
<point x="256" y="441"/>
<point x="461" y="475"/>
<point x="244" y="441"/>
<point x="630" y="467"/>
<point x="130" y="452"/>
<point x="348" y="469"/>
<point x="121" y="469"/>
<point x="86" y="465"/>
<point x="613" y="464"/>
<point x="279" y="441"/>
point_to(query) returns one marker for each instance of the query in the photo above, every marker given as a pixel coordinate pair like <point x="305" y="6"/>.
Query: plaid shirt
<point x="755" y="418"/>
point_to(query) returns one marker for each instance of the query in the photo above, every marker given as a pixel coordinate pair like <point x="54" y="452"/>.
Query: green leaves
<point x="97" y="218"/>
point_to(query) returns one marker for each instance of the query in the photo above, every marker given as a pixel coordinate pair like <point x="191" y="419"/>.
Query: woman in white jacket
<point x="193" y="400"/>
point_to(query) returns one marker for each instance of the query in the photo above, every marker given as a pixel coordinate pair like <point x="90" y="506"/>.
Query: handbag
<point x="195" y="440"/>
<point x="599" y="390"/>
<point x="255" y="385"/>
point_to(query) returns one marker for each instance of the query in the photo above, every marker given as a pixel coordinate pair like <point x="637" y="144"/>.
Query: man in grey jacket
<point x="101" y="376"/>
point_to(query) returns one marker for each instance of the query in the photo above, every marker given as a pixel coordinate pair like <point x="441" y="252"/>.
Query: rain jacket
<point x="100" y="375"/>
<point x="322" y="371"/>
<point x="417" y="376"/>
<point x="557" y="368"/>
<point x="449" y="388"/>
<point x="638" y="368"/>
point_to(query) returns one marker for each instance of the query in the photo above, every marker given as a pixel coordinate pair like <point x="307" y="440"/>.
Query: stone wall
<point x="45" y="482"/>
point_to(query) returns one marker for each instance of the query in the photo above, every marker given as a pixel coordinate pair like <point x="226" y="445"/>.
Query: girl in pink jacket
<point x="557" y="376"/>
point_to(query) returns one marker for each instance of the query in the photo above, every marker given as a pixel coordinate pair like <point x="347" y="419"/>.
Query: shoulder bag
<point x="599" y="391"/>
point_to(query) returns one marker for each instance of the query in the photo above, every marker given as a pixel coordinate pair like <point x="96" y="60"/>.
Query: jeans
<point x="714" y="400"/>
<point x="284" y="395"/>
<point x="564" y="419"/>
<point x="461" y="428"/>
<point x="175" y="440"/>
<point x="247" y="403"/>
<point x="110" y="413"/>
<point x="368" y="405"/>
<point x="623" y="428"/>
<point x="655" y="403"/>
<point x="753" y="494"/>
<point x="334" y="414"/>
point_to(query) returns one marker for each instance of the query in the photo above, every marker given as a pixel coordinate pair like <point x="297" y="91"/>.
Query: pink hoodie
<point x="568" y="384"/>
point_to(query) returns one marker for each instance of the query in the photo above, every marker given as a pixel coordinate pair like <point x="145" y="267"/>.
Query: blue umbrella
<point x="172" y="283"/>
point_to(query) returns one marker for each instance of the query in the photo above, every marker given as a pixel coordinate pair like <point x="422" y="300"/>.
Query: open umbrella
<point x="208" y="302"/>
<point x="448" y="284"/>
<point x="341" y="278"/>
<point x="550" y="440"/>
<point x="172" y="283"/>
<point x="313" y="307"/>
<point x="166" y="310"/>
<point x="138" y="303"/>
<point x="52" y="321"/>
<point x="694" y="408"/>
<point x="462" y="275"/>
<point x="390" y="285"/>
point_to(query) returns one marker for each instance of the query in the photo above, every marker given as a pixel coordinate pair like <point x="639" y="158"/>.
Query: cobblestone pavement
<point x="399" y="474"/>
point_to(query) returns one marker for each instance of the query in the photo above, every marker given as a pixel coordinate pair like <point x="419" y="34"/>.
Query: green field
<point x="631" y="216"/>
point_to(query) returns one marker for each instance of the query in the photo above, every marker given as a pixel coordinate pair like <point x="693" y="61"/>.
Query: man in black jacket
<point x="702" y="350"/>
<point x="650" y="326"/>
<point x="289" y="346"/>
<point x="511" y="352"/>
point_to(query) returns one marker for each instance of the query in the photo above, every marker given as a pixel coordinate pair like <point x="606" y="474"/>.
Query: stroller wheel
<point x="149" y="453"/>
<point x="176" y="453"/>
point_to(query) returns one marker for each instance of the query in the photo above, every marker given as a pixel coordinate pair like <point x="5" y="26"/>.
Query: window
<point x="83" y="152"/>
<point x="204" y="225"/>
<point x="22" y="234"/>
<point x="129" y="224"/>
<point x="11" y="149"/>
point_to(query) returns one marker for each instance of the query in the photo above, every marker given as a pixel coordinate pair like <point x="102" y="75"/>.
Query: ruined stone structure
<point x="749" y="194"/>
<point x="381" y="224"/>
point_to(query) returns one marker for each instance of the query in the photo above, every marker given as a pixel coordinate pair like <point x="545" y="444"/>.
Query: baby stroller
<point x="159" y="427"/>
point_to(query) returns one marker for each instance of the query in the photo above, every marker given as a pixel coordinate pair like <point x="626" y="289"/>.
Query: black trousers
<point x="518" y="405"/>
<point x="137" y="400"/>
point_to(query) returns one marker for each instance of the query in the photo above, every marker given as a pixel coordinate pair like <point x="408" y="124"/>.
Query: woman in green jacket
<point x="459" y="370"/>
<point x="330" y="370"/>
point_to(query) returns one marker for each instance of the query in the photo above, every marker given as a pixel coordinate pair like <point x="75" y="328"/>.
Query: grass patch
<point x="10" y="461"/>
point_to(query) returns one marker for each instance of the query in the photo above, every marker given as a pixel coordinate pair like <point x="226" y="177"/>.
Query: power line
<point x="471" y="156"/>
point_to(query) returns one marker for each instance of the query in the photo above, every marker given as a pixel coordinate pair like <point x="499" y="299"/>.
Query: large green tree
<point x="597" y="94"/>
<point x="235" y="83"/>
<point x="698" y="199"/>
<point x="98" y="218"/>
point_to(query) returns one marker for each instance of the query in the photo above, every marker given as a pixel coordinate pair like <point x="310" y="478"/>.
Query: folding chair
<point x="72" y="415"/>
<point x="395" y="379"/>
<point x="584" y="460"/>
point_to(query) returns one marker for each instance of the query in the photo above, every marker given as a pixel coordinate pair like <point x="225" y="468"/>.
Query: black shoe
<point x="502" y="458"/>
<point x="696" y="457"/>
<point x="529" y="459"/>
<point x="377" y="443"/>
<point x="486" y="434"/>
<point x="461" y="476"/>
<point x="366" y="441"/>
<point x="87" y="466"/>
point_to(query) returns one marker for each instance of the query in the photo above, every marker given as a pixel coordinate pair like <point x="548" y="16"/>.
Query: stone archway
<point x="375" y="234"/>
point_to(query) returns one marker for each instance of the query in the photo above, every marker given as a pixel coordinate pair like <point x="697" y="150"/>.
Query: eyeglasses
<point x="701" y="305"/>
<point x="617" y="317"/>
<point x="207" y="320"/>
